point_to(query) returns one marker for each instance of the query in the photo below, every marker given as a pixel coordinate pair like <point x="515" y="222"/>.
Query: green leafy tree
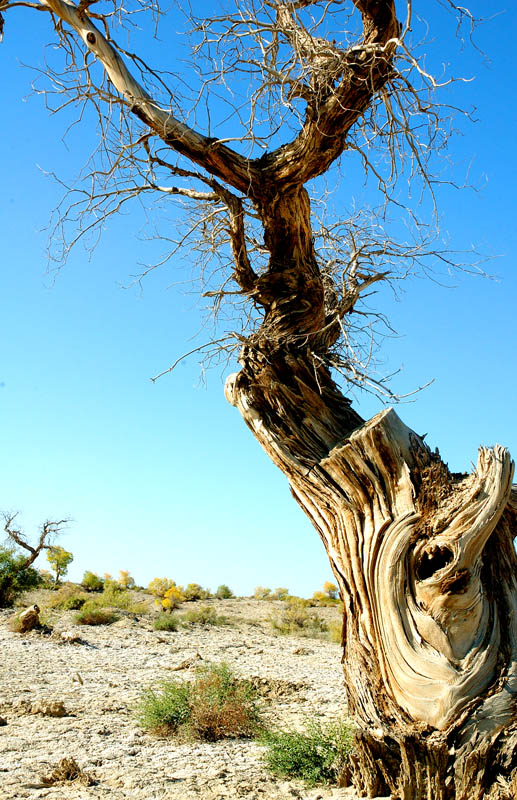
<point x="91" y="582"/>
<point x="223" y="592"/>
<point x="59" y="559"/>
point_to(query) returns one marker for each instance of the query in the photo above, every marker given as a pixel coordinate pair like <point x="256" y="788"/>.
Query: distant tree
<point x="193" y="591"/>
<point x="59" y="559"/>
<point x="331" y="590"/>
<point x="158" y="586"/>
<point x="125" y="579"/>
<point x="223" y="592"/>
<point x="279" y="594"/>
<point x="91" y="582"/>
<point x="172" y="598"/>
<point x="16" y="559"/>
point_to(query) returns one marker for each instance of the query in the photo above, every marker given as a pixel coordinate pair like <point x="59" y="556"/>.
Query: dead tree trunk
<point x="424" y="559"/>
<point x="427" y="572"/>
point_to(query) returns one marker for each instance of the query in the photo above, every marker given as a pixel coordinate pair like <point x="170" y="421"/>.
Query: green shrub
<point x="295" y="619"/>
<point x="95" y="616"/>
<point x="165" y="622"/>
<point x="279" y="594"/>
<point x="74" y="602"/>
<point x="14" y="577"/>
<point x="115" y="596"/>
<point x="195" y="592"/>
<point x="206" y="615"/>
<point x="91" y="582"/>
<point x="67" y="598"/>
<point x="216" y="705"/>
<point x="335" y="631"/>
<point x="165" y="710"/>
<point x="222" y="706"/>
<point x="261" y="593"/>
<point x="317" y="755"/>
<point x="223" y="592"/>
<point x="299" y="602"/>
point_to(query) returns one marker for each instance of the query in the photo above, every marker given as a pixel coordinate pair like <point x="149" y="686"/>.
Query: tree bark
<point x="427" y="571"/>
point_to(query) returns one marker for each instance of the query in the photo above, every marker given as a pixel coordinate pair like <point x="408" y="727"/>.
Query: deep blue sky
<point x="164" y="478"/>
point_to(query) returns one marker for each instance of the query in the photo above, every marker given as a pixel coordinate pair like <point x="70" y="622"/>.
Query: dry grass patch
<point x="68" y="771"/>
<point x="216" y="705"/>
<point x="95" y="616"/>
<point x="296" y="619"/>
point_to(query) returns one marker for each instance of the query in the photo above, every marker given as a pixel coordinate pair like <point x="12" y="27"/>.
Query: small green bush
<point x="14" y="577"/>
<point x="335" y="631"/>
<point x="95" y="616"/>
<point x="74" y="603"/>
<point x="115" y="596"/>
<point x="91" y="582"/>
<point x="206" y="615"/>
<point x="317" y="755"/>
<point x="300" y="602"/>
<point x="165" y="622"/>
<point x="223" y="592"/>
<point x="67" y="598"/>
<point x="279" y="594"/>
<point x="261" y="593"/>
<point x="216" y="705"/>
<point x="195" y="592"/>
<point x="165" y="710"/>
<point x="295" y="619"/>
<point x="222" y="706"/>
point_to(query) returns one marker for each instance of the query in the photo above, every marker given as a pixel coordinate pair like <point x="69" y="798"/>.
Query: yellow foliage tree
<point x="172" y="598"/>
<point x="125" y="579"/>
<point x="331" y="590"/>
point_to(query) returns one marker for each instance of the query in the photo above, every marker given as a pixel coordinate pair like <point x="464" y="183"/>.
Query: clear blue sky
<point x="164" y="478"/>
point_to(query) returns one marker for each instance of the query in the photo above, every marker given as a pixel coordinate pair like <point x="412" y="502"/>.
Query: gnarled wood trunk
<point x="427" y="571"/>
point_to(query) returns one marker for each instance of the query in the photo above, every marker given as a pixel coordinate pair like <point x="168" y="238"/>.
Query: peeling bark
<point x="427" y="572"/>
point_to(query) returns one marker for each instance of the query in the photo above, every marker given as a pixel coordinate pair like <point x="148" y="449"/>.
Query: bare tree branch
<point x="49" y="530"/>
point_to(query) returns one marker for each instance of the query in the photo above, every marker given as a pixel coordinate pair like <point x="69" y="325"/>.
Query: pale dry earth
<point x="99" y="682"/>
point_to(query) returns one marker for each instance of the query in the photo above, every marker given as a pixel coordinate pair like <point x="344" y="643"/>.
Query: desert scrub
<point x="165" y="710"/>
<point x="166" y="622"/>
<point x="216" y="705"/>
<point x="295" y="619"/>
<point x="67" y="598"/>
<point x="195" y="592"/>
<point x="223" y="592"/>
<point x="91" y="582"/>
<point x="15" y="578"/>
<point x="95" y="616"/>
<point x="206" y="615"/>
<point x="335" y="630"/>
<point x="317" y="755"/>
<point x="115" y="596"/>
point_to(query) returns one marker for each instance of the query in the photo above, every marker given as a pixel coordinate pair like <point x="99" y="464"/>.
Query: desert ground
<point x="99" y="680"/>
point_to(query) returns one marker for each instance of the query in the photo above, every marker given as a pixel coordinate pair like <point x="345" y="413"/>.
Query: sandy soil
<point x="99" y="682"/>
